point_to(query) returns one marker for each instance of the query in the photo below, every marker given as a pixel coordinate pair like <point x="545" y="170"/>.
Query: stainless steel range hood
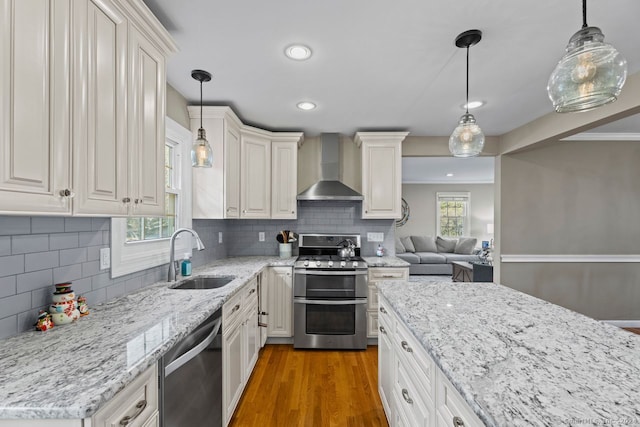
<point x="329" y="187"/>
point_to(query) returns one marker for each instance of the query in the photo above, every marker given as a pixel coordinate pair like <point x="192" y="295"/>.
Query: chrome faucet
<point x="172" y="255"/>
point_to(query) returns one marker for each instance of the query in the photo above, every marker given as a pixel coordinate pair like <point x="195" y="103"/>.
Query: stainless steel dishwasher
<point x="191" y="378"/>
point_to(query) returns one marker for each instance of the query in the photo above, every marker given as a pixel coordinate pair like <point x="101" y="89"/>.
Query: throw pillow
<point x="465" y="245"/>
<point x="400" y="249"/>
<point x="408" y="244"/>
<point x="446" y="245"/>
<point x="424" y="244"/>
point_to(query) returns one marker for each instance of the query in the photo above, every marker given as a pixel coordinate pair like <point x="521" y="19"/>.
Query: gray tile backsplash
<point x="37" y="252"/>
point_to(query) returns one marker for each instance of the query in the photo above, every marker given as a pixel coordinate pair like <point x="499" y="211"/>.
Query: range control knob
<point x="355" y="264"/>
<point x="330" y="264"/>
<point x="343" y="263"/>
<point x="306" y="263"/>
<point x="318" y="263"/>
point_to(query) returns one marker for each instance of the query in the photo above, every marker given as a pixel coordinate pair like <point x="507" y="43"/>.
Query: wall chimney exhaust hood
<point x="329" y="187"/>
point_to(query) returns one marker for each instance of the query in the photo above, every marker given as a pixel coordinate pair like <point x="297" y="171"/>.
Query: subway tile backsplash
<point x="36" y="252"/>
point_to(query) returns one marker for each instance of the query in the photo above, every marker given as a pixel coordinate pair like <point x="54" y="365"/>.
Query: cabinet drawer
<point x="414" y="404"/>
<point x="451" y="406"/>
<point x="138" y="401"/>
<point x="231" y="310"/>
<point x="423" y="367"/>
<point x="385" y="317"/>
<point x="250" y="293"/>
<point x="372" y="324"/>
<point x="383" y="273"/>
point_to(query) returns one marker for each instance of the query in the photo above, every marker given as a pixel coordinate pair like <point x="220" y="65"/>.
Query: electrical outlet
<point x="219" y="236"/>
<point x="261" y="236"/>
<point x="105" y="258"/>
<point x="375" y="237"/>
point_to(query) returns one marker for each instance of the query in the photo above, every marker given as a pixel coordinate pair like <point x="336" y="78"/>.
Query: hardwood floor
<point x="312" y="388"/>
<point x="634" y="330"/>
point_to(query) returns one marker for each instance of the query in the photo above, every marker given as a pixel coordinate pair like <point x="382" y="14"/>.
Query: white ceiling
<point x="434" y="170"/>
<point x="382" y="64"/>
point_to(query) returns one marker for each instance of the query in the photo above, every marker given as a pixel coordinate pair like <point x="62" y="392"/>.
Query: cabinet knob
<point x="405" y="346"/>
<point x="67" y="193"/>
<point x="405" y="396"/>
<point x="236" y="308"/>
<point x="383" y="310"/>
<point x="244" y="211"/>
<point x="140" y="407"/>
<point x="126" y="200"/>
<point x="293" y="212"/>
<point x="458" y="422"/>
<point x="383" y="330"/>
<point x="366" y="211"/>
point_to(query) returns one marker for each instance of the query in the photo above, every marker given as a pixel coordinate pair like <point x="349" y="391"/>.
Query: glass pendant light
<point x="590" y="74"/>
<point x="201" y="153"/>
<point x="467" y="140"/>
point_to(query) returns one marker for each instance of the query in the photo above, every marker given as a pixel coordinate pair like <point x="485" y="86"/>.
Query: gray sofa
<point x="428" y="255"/>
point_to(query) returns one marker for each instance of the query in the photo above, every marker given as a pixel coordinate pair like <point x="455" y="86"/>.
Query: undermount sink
<point x="205" y="282"/>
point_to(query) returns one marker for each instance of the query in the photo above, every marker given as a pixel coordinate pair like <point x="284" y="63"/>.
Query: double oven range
<point x="329" y="293"/>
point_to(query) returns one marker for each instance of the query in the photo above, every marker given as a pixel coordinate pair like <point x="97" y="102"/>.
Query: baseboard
<point x="280" y="340"/>
<point x="624" y="323"/>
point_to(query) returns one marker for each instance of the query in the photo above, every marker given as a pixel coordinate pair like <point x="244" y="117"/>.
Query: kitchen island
<point x="70" y="371"/>
<point x="519" y="361"/>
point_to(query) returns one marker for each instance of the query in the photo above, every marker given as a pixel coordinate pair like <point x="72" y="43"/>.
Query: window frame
<point x="131" y="257"/>
<point x="467" y="219"/>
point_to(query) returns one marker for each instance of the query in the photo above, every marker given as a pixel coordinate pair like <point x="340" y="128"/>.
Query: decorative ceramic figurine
<point x="83" y="308"/>
<point x="64" y="308"/>
<point x="44" y="321"/>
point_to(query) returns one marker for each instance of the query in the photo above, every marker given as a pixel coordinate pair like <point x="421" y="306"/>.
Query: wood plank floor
<point x="312" y="388"/>
<point x="634" y="330"/>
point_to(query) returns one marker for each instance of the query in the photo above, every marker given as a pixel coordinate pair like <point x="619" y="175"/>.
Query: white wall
<point x="422" y="203"/>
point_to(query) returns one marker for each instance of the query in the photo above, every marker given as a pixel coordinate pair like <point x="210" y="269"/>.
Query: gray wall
<point x="574" y="198"/>
<point x="422" y="204"/>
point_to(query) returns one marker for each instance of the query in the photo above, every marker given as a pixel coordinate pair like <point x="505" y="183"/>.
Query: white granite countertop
<point x="70" y="371"/>
<point x="385" y="261"/>
<point x="521" y="361"/>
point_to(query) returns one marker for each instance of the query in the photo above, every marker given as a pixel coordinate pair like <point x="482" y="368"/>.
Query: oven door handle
<point x="329" y="302"/>
<point x="331" y="273"/>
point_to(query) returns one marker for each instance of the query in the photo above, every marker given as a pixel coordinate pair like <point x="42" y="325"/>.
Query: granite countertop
<point x="71" y="371"/>
<point x="385" y="261"/>
<point x="521" y="361"/>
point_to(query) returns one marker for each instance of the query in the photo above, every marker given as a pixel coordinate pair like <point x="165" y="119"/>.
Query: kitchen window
<point x="452" y="212"/>
<point x="139" y="243"/>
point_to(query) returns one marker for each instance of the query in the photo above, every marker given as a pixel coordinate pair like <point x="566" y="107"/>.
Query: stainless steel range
<point x="330" y="293"/>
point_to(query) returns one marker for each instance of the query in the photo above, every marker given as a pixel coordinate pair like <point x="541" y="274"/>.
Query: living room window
<point x="452" y="211"/>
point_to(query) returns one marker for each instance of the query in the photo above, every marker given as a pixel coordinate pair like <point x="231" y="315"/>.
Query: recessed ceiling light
<point x="449" y="174"/>
<point x="298" y="52"/>
<point x="473" y="105"/>
<point x="306" y="105"/>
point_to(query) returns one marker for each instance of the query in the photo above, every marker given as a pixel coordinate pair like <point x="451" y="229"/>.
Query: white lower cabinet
<point x="414" y="392"/>
<point x="240" y="345"/>
<point x="379" y="274"/>
<point x="280" y="302"/>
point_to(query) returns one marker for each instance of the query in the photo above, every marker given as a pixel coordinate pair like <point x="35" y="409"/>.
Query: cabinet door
<point x="232" y="369"/>
<point x="280" y="302"/>
<point x="100" y="126"/>
<point x="146" y="125"/>
<point x="385" y="368"/>
<point x="252" y="340"/>
<point x="284" y="180"/>
<point x="231" y="171"/>
<point x="255" y="182"/>
<point x="34" y="107"/>
<point x="382" y="179"/>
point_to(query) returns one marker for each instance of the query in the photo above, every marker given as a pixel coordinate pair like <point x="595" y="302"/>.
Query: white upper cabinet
<point x="34" y="106"/>
<point x="216" y="190"/>
<point x="381" y="173"/>
<point x="85" y="77"/>
<point x="284" y="176"/>
<point x="255" y="174"/>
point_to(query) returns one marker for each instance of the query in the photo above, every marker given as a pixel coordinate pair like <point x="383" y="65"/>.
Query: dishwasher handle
<point x="197" y="349"/>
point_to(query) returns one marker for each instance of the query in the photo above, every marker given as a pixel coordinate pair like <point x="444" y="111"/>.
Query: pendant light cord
<point x="200" y="104"/>
<point x="467" y="104"/>
<point x="584" y="14"/>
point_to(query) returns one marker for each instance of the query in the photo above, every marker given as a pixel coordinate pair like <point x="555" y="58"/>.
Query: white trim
<point x="436" y="181"/>
<point x="571" y="258"/>
<point x="138" y="256"/>
<point x="609" y="136"/>
<point x="623" y="323"/>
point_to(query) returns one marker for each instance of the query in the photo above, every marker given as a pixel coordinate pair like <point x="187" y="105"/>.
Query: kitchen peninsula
<point x="516" y="360"/>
